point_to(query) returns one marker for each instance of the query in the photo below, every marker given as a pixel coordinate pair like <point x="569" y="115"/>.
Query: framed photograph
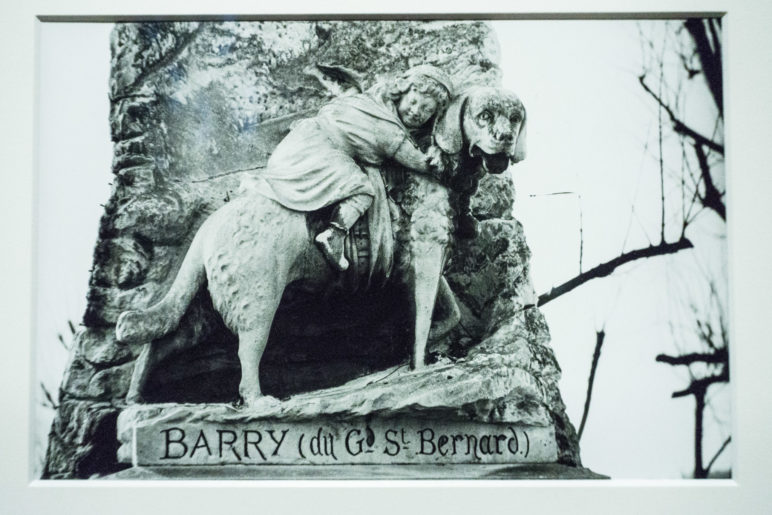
<point x="489" y="250"/>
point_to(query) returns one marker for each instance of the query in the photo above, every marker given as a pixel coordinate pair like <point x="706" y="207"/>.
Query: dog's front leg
<point x="451" y="314"/>
<point x="425" y="273"/>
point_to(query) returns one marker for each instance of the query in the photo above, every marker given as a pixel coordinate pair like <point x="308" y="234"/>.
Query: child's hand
<point x="436" y="159"/>
<point x="443" y="165"/>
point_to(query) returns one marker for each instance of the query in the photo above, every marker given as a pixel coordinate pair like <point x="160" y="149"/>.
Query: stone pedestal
<point x="442" y="415"/>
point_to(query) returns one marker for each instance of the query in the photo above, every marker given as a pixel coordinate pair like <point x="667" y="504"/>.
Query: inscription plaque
<point x="165" y="441"/>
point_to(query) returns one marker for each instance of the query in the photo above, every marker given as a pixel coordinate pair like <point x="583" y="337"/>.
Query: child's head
<point x="419" y="94"/>
<point x="415" y="108"/>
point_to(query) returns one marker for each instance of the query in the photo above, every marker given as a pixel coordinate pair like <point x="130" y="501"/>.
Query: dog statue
<point x="252" y="248"/>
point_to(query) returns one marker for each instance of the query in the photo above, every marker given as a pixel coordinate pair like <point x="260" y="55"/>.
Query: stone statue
<point x="197" y="110"/>
<point x="251" y="249"/>
<point x="320" y="162"/>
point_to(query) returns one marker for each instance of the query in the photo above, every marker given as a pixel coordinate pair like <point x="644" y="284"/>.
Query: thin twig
<point x="684" y="167"/>
<point x="661" y="158"/>
<point x="599" y="337"/>
<point x="62" y="341"/>
<point x="678" y="125"/>
<point x="581" y="233"/>
<point x="229" y="172"/>
<point x="581" y="218"/>
<point x="718" y="453"/>
<point x="49" y="398"/>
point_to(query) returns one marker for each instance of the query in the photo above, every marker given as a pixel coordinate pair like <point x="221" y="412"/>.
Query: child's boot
<point x="331" y="242"/>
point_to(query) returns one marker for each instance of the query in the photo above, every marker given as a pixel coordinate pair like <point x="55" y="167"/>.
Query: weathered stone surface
<point x="111" y="383"/>
<point x="194" y="108"/>
<point x="82" y="442"/>
<point x="126" y="263"/>
<point x="131" y="152"/>
<point x="99" y="369"/>
<point x="106" y="304"/>
<point x="141" y="49"/>
<point x="495" y="197"/>
<point x="163" y="217"/>
<point x="130" y="116"/>
<point x="77" y="376"/>
<point x="139" y="177"/>
<point x="98" y="348"/>
<point x="491" y="267"/>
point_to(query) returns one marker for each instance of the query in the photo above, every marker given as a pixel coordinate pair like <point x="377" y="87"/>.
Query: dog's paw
<point x="128" y="327"/>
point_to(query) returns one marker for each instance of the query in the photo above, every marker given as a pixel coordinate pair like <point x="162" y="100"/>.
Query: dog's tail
<point x="143" y="326"/>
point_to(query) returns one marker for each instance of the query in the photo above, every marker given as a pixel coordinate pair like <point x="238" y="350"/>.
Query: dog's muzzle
<point x="492" y="163"/>
<point x="495" y="163"/>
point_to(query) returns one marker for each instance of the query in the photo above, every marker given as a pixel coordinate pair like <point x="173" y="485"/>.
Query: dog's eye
<point x="486" y="116"/>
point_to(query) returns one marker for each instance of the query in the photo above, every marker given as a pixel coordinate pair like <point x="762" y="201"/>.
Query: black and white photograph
<point x="385" y="258"/>
<point x="362" y="249"/>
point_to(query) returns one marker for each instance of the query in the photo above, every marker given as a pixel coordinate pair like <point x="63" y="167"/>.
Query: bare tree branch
<point x="605" y="269"/>
<point x="712" y="198"/>
<point x="700" y="55"/>
<point x="718" y="357"/>
<point x="710" y="57"/>
<point x="689" y="217"/>
<point x="600" y="336"/>
<point x="718" y="453"/>
<point x="678" y="125"/>
<point x="661" y="166"/>
<point x="699" y="386"/>
<point x="706" y="335"/>
<point x="699" y="413"/>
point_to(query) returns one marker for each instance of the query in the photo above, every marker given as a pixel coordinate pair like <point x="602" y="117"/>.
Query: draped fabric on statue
<point x="318" y="163"/>
<point x="381" y="235"/>
<point x="313" y="167"/>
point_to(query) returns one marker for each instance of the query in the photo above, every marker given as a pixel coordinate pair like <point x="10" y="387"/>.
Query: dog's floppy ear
<point x="518" y="153"/>
<point x="448" y="131"/>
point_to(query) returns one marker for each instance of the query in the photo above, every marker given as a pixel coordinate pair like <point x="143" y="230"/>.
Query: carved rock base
<point x="441" y="415"/>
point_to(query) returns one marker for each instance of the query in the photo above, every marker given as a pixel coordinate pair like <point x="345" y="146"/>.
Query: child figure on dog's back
<point x="317" y="163"/>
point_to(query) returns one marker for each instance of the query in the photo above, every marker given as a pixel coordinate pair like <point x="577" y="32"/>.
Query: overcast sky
<point x="593" y="131"/>
<point x="590" y="130"/>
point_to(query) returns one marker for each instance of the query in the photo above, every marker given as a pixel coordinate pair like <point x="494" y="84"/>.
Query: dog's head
<point x="489" y="123"/>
